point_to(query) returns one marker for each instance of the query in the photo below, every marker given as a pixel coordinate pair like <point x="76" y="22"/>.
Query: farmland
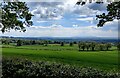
<point x="103" y="60"/>
<point x="50" y="58"/>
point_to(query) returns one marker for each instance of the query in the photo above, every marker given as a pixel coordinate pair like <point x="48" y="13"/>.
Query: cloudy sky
<point x="65" y="19"/>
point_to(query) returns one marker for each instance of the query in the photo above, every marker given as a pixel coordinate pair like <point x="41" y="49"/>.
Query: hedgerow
<point x="17" y="68"/>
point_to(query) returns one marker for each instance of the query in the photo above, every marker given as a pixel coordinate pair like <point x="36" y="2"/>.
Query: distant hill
<point x="69" y="39"/>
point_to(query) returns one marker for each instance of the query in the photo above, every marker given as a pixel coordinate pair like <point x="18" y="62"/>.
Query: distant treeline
<point x="66" y="39"/>
<point x="94" y="46"/>
<point x="82" y="45"/>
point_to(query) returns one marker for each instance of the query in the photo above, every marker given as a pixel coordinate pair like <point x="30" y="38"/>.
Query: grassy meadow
<point x="103" y="60"/>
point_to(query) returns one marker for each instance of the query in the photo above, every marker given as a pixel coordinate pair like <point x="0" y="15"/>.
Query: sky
<point x="65" y="19"/>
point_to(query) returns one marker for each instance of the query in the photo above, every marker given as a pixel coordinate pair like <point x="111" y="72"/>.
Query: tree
<point x="26" y="42"/>
<point x="113" y="13"/>
<point x="80" y="2"/>
<point x="92" y="45"/>
<point x="15" y="15"/>
<point x="71" y="43"/>
<point x="81" y="45"/>
<point x="62" y="43"/>
<point x="33" y="42"/>
<point x="19" y="43"/>
<point x="101" y="47"/>
<point x="5" y="41"/>
<point x="108" y="45"/>
<point x="74" y="42"/>
<point x="87" y="46"/>
<point x="45" y="43"/>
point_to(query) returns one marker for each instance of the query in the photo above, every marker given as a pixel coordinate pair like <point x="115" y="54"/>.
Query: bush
<point x="17" y="68"/>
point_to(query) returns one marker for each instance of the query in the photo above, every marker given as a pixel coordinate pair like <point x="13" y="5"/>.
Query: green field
<point x="105" y="60"/>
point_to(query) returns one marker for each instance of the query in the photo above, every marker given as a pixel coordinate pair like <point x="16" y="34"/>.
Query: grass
<point x="105" y="60"/>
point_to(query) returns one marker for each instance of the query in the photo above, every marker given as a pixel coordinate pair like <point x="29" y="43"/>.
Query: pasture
<point x="103" y="60"/>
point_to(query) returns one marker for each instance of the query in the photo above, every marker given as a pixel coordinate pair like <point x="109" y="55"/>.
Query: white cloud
<point x="91" y="20"/>
<point x="61" y="31"/>
<point x="86" y="19"/>
<point x="85" y="10"/>
<point x="75" y="26"/>
<point x="112" y="25"/>
<point x="48" y="11"/>
<point x="100" y="7"/>
<point x="40" y="21"/>
<point x="56" y="10"/>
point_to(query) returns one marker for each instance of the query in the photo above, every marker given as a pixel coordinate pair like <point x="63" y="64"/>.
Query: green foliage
<point x="108" y="46"/>
<point x="71" y="43"/>
<point x="45" y="43"/>
<point x="19" y="43"/>
<point x="62" y="43"/>
<point x="33" y="42"/>
<point x="16" y="68"/>
<point x="101" y="47"/>
<point x="15" y="15"/>
<point x="94" y="46"/>
<point x="87" y="46"/>
<point x="113" y="13"/>
<point x="80" y="2"/>
<point x="81" y="45"/>
<point x="5" y="41"/>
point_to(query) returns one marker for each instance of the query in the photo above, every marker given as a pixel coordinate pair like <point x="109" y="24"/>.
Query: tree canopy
<point x="15" y="15"/>
<point x="113" y="13"/>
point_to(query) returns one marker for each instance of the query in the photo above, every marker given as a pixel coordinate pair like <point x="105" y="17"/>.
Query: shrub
<point x="16" y="68"/>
